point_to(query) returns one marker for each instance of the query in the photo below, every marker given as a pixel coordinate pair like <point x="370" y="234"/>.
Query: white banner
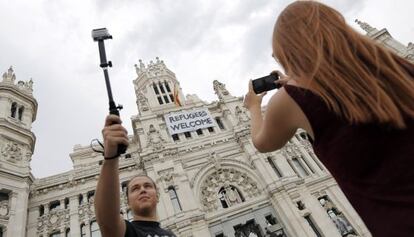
<point x="187" y="121"/>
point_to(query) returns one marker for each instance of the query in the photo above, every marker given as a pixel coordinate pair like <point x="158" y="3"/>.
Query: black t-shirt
<point x="146" y="229"/>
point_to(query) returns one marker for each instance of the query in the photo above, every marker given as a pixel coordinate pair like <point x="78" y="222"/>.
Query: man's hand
<point x="113" y="134"/>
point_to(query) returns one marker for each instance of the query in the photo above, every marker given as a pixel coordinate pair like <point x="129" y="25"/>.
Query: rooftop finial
<point x="9" y="76"/>
<point x="365" y="26"/>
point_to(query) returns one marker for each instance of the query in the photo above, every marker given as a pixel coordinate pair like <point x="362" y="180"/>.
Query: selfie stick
<point x="100" y="35"/>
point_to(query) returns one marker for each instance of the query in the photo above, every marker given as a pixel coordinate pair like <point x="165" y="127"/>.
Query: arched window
<point x="230" y="196"/>
<point x="66" y="203"/>
<point x="41" y="210"/>
<point x="80" y="198"/>
<point x="21" y="110"/>
<point x="55" y="234"/>
<point x="54" y="205"/>
<point x="95" y="232"/>
<point x="174" y="199"/>
<point x="13" y="110"/>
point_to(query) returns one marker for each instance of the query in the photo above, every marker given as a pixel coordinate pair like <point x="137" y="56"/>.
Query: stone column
<point x="74" y="216"/>
<point x="18" y="213"/>
<point x="292" y="221"/>
<point x="32" y="221"/>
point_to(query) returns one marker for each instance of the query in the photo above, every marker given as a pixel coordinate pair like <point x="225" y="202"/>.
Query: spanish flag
<point x="176" y="96"/>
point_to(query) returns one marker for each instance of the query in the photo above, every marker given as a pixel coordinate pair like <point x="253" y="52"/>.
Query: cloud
<point x="199" y="40"/>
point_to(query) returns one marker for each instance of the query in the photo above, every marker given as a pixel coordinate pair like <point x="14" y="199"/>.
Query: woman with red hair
<point x="356" y="101"/>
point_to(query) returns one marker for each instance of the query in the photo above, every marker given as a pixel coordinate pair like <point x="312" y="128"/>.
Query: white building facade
<point x="211" y="179"/>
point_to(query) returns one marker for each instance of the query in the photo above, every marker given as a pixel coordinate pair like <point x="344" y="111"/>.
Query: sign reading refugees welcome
<point x="187" y="121"/>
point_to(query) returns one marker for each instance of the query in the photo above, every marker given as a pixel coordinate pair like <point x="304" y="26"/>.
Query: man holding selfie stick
<point x="142" y="192"/>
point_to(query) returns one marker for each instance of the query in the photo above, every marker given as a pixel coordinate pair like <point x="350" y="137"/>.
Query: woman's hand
<point x="251" y="99"/>
<point x="283" y="79"/>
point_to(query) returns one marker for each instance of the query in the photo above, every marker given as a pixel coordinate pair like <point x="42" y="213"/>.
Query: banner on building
<point x="188" y="120"/>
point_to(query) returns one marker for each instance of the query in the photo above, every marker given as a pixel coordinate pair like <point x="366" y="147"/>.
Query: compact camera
<point x="266" y="83"/>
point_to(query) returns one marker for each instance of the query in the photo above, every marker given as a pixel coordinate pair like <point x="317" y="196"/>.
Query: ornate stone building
<point x="212" y="181"/>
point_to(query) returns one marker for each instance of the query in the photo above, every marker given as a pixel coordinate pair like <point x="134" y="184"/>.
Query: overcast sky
<point x="201" y="41"/>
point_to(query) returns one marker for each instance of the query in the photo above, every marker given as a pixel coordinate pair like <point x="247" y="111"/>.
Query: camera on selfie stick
<point x="100" y="35"/>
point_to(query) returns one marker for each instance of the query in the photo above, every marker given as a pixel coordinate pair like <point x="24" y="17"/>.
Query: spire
<point x="9" y="77"/>
<point x="220" y="90"/>
<point x="152" y="69"/>
<point x="365" y="26"/>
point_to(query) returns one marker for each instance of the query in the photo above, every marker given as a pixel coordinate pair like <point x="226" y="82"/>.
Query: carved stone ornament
<point x="53" y="219"/>
<point x="167" y="176"/>
<point x="4" y="208"/>
<point x="226" y="177"/>
<point x="241" y="115"/>
<point x="12" y="152"/>
<point x="152" y="69"/>
<point x="215" y="159"/>
<point x="155" y="139"/>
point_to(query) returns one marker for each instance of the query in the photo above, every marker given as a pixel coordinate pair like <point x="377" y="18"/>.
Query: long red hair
<point x="358" y="79"/>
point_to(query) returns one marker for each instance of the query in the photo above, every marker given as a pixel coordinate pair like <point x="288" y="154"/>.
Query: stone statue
<point x="143" y="102"/>
<point x="241" y="115"/>
<point x="154" y="138"/>
<point x="9" y="75"/>
<point x="29" y="84"/>
<point x="215" y="159"/>
<point x="4" y="208"/>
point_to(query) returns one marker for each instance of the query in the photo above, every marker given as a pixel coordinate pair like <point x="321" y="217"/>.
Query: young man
<point x="141" y="192"/>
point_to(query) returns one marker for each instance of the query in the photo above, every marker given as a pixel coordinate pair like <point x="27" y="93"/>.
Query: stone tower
<point x="18" y="110"/>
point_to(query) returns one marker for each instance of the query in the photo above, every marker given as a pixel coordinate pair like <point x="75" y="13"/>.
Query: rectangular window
<point x="172" y="98"/>
<point x="166" y="99"/>
<point x="174" y="199"/>
<point x="312" y="225"/>
<point x="161" y="88"/>
<point x="220" y="123"/>
<point x="199" y="131"/>
<point x="167" y="86"/>
<point x="299" y="168"/>
<point x="274" y="167"/>
<point x="307" y="164"/>
<point x="156" y="89"/>
<point x="175" y="137"/>
<point x="187" y="134"/>
<point x="95" y="229"/>
<point x="160" y="100"/>
<point x="210" y="129"/>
